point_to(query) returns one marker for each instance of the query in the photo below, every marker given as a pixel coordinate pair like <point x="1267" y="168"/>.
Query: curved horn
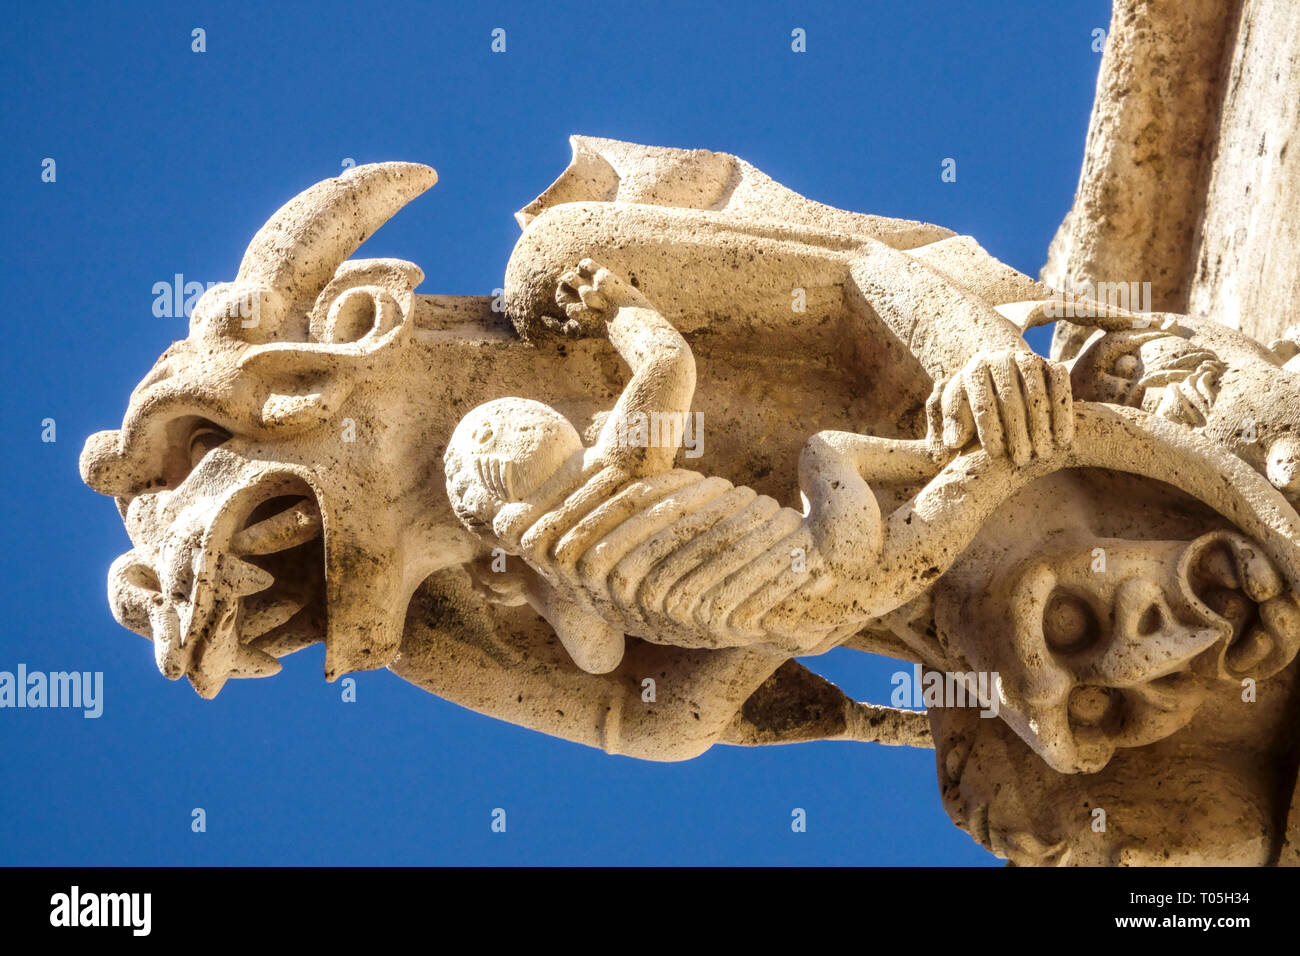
<point x="300" y="247"/>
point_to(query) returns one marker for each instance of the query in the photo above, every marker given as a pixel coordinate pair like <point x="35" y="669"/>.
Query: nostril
<point x="1150" y="621"/>
<point x="142" y="576"/>
<point x="1142" y="612"/>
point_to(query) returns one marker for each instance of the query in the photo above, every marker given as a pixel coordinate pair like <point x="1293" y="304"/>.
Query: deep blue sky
<point x="169" y="160"/>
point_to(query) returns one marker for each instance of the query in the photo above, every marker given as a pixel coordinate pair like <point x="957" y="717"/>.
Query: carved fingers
<point x="1016" y="403"/>
<point x="578" y="291"/>
<point x="589" y="294"/>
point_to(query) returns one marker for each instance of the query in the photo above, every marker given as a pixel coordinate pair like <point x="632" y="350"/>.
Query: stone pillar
<point x="1248" y="253"/>
<point x="1191" y="173"/>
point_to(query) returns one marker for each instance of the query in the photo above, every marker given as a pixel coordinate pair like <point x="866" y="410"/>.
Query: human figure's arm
<point x="663" y="368"/>
<point x="989" y="384"/>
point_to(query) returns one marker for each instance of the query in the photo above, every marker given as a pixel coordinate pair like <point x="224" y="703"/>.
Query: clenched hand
<point x="1016" y="403"/>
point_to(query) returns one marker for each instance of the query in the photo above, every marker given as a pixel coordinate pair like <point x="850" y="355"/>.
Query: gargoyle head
<point x="1104" y="641"/>
<point x="256" y="460"/>
<point x="1146" y="654"/>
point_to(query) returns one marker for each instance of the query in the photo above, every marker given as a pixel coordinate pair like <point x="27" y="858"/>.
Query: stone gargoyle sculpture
<point x="488" y="497"/>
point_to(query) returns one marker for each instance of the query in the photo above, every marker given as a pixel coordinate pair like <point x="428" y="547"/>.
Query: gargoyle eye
<point x="1069" y="623"/>
<point x="203" y="440"/>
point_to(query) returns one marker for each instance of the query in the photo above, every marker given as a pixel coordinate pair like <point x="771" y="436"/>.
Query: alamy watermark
<point x="1086" y="300"/>
<point x="83" y="690"/>
<point x="914" y="689"/>
<point x="75" y="908"/>
<point x="662" y="430"/>
<point x="177" y="299"/>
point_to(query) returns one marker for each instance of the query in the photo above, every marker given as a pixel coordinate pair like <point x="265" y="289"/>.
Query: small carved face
<point x="1156" y="371"/>
<point x="501" y="453"/>
<point x="1113" y="646"/>
<point x="1204" y="377"/>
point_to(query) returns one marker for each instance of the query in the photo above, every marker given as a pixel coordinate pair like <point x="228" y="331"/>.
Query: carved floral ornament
<point x="495" y="505"/>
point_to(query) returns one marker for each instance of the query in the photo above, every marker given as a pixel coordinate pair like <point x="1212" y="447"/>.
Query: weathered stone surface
<point x="1248" y="254"/>
<point x="1149" y="140"/>
<point x="1190" y="182"/>
<point x="721" y="427"/>
<point x="1190" y="175"/>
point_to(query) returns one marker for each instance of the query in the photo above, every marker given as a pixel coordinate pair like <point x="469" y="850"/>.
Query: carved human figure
<point x="623" y="542"/>
<point x="281" y="474"/>
<point x="271" y="506"/>
<point x="1203" y="375"/>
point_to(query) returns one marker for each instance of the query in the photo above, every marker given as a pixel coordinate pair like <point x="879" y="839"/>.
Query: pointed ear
<point x="311" y="404"/>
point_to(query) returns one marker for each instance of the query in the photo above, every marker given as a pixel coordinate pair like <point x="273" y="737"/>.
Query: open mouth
<point x="282" y="537"/>
<point x="232" y="598"/>
<point x="267" y="595"/>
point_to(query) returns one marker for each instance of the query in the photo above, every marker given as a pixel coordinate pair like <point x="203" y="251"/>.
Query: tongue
<point x="297" y="524"/>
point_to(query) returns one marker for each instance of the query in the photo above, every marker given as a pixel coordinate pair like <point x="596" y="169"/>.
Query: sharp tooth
<point x="168" y="652"/>
<point x="297" y="524"/>
<point x="265" y="614"/>
<point x="207" y="685"/>
<point x="244" y="578"/>
<point x="253" y="663"/>
<point x="300" y="632"/>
